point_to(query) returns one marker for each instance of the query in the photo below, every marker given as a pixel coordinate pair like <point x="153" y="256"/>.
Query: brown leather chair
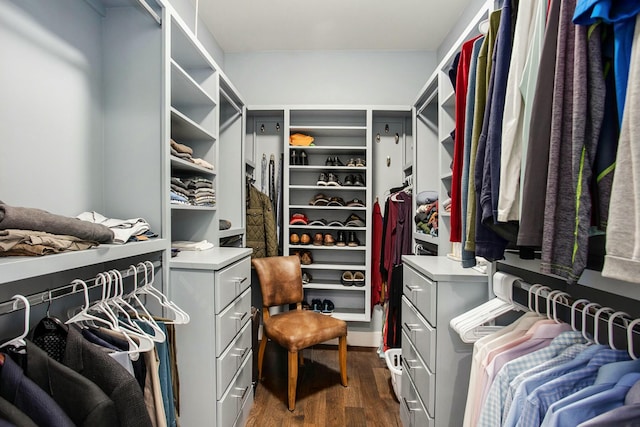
<point x="281" y="284"/>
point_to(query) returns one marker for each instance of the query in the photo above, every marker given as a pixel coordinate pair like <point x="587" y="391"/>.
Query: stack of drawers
<point x="435" y="362"/>
<point x="215" y="348"/>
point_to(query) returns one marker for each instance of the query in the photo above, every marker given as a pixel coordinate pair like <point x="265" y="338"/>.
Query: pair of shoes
<point x="327" y="307"/>
<point x="298" y="159"/>
<point x="316" y="305"/>
<point x="328" y="240"/>
<point x="333" y="161"/>
<point x="306" y="277"/>
<point x="352" y="240"/>
<point x="354" y="180"/>
<point x="358" y="162"/>
<point x="352" y="278"/>
<point x="329" y="179"/>
<point x="342" y="241"/>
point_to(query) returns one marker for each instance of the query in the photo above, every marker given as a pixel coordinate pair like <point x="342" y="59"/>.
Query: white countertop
<point x="211" y="259"/>
<point x="442" y="268"/>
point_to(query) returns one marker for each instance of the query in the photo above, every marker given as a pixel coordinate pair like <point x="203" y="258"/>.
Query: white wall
<point x="330" y="77"/>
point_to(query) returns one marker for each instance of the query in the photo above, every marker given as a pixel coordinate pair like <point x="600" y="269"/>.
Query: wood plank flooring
<point x="368" y="401"/>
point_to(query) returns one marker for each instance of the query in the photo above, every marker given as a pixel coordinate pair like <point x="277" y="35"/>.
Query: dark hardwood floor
<point x="321" y="400"/>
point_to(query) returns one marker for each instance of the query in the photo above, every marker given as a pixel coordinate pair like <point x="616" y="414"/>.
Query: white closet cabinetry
<point x="343" y="133"/>
<point x="435" y="362"/>
<point x="215" y="351"/>
<point x="193" y="122"/>
<point x="81" y="115"/>
<point x="435" y="121"/>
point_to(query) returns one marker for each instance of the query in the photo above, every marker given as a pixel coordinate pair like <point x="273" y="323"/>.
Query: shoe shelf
<point x="340" y="141"/>
<point x="331" y="247"/>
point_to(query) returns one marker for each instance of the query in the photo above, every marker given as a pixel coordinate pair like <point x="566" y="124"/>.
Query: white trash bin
<point x="393" y="357"/>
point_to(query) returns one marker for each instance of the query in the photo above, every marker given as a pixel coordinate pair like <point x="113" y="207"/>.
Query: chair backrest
<point x="280" y="279"/>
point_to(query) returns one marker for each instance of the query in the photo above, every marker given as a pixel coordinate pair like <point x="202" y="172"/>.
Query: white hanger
<point x="111" y="323"/>
<point x="573" y="310"/>
<point x="632" y="353"/>
<point x="181" y="317"/>
<point x="472" y="324"/>
<point x="552" y="303"/>
<point x="19" y="340"/>
<point x="596" y="322"/>
<point x="610" y="326"/>
<point x="585" y="309"/>
<point x="537" y="293"/>
<point x="122" y="305"/>
<point x="159" y="335"/>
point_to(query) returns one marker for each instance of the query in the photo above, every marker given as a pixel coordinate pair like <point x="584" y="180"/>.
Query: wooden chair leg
<point x="263" y="346"/>
<point x="293" y="379"/>
<point x="342" y="354"/>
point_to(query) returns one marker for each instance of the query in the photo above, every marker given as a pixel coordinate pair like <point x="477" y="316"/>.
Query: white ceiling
<point x="268" y="25"/>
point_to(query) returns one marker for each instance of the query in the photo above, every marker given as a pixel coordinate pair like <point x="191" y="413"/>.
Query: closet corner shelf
<point x="185" y="90"/>
<point x="18" y="268"/>
<point x="184" y="165"/>
<point x="423" y="237"/>
<point x="192" y="208"/>
<point x="234" y="231"/>
<point x="449" y="100"/>
<point x="182" y="127"/>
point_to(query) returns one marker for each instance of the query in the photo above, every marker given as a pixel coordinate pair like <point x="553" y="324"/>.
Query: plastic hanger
<point x="181" y="317"/>
<point x="596" y="322"/>
<point x="552" y="304"/>
<point x="83" y="315"/>
<point x="610" y="326"/>
<point x="573" y="312"/>
<point x="19" y="340"/>
<point x="630" y="349"/>
<point x="159" y="335"/>
<point x="125" y="308"/>
<point x="585" y="309"/>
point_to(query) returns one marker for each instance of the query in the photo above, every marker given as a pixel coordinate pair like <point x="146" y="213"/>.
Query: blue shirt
<point x="542" y="397"/>
<point x="592" y="406"/>
<point x="608" y="376"/>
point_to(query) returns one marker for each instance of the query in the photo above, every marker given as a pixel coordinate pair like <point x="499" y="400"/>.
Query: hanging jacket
<point x="261" y="224"/>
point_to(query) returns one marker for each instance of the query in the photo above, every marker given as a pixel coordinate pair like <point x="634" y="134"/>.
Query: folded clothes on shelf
<point x="186" y="245"/>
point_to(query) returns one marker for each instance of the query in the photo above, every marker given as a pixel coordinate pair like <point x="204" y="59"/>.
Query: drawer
<point x="231" y="320"/>
<point x="243" y="416"/>
<point x="231" y="282"/>
<point x="421" y="292"/>
<point x="422" y="335"/>
<point x="231" y="404"/>
<point x="423" y="379"/>
<point x="412" y="411"/>
<point x="230" y="361"/>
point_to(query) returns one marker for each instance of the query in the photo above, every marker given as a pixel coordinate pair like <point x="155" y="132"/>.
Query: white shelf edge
<point x="319" y="266"/>
<point x="19" y="268"/>
<point x="325" y="187"/>
<point x="231" y="232"/>
<point x="195" y="126"/>
<point x="329" y="148"/>
<point x="423" y="237"/>
<point x="322" y="227"/>
<point x="182" y="74"/>
<point x="334" y="287"/>
<point x="186" y="165"/>
<point x="192" y="208"/>
<point x="334" y="247"/>
<point x="342" y="208"/>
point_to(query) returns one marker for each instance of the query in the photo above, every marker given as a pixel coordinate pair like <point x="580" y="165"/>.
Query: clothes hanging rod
<point x="65" y="290"/>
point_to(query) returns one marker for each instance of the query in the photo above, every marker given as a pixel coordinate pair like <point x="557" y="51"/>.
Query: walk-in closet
<point x="221" y="213"/>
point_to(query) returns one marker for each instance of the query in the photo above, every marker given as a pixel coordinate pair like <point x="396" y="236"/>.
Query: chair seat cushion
<point x="299" y="329"/>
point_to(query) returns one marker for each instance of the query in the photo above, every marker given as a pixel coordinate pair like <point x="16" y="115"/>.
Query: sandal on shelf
<point x="347" y="278"/>
<point x="360" y="163"/>
<point x="351" y="163"/>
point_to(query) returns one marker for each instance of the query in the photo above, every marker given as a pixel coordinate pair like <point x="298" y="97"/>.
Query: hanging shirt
<point x="627" y="415"/>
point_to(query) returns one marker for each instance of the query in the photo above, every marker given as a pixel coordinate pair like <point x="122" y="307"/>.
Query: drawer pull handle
<point x="244" y="391"/>
<point x="409" y="408"/>
<point x="238" y="316"/>
<point x="240" y="280"/>
<point x="409" y="364"/>
<point x="243" y="352"/>
<point x="411" y="327"/>
<point x="414" y="288"/>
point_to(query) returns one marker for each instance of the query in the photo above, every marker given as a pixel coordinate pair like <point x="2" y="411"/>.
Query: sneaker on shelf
<point x="306" y="277"/>
<point x="327" y="307"/>
<point x="347" y="278"/>
<point x="333" y="180"/>
<point x="337" y="161"/>
<point x="349" y="180"/>
<point x="316" y="305"/>
<point x="358" y="278"/>
<point x="322" y="179"/>
<point x="358" y="181"/>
